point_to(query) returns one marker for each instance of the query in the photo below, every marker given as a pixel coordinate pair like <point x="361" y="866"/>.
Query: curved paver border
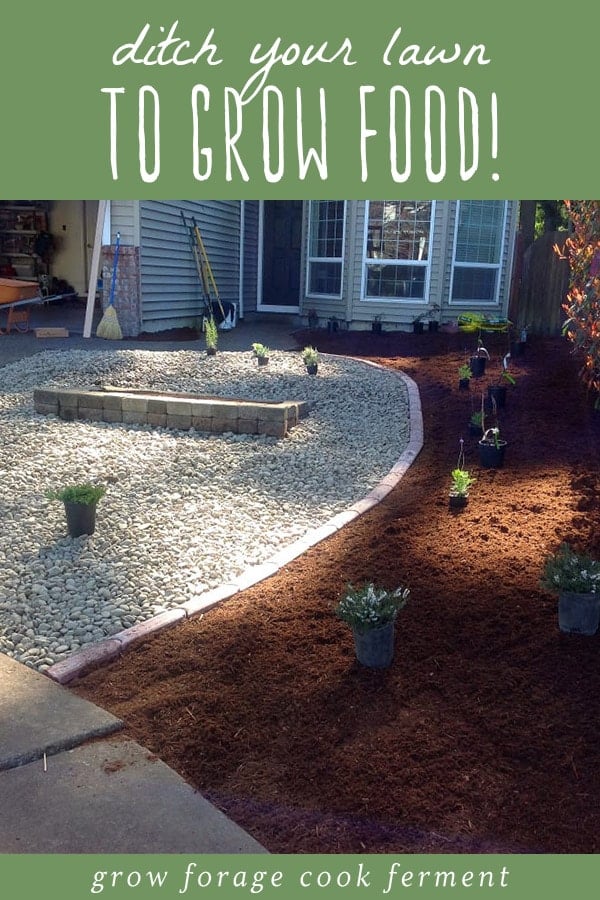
<point x="110" y="649"/>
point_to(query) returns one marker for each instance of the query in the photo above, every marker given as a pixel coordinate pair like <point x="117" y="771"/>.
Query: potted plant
<point x="80" y="502"/>
<point x="575" y="578"/>
<point x="497" y="391"/>
<point x="478" y="360"/>
<point x="464" y="377"/>
<point x="475" y="427"/>
<point x="261" y="353"/>
<point x="459" y="488"/>
<point x="371" y="612"/>
<point x="433" y="323"/>
<point x="417" y="323"/>
<point x="518" y="344"/>
<point x="491" y="448"/>
<point x="313" y="320"/>
<point x="310" y="357"/>
<point x="376" y="326"/>
<point x="211" y="336"/>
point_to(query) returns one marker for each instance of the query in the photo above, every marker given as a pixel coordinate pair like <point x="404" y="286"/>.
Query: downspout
<point x="242" y="248"/>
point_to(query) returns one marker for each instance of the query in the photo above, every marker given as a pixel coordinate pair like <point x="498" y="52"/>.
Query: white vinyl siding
<point x="172" y="295"/>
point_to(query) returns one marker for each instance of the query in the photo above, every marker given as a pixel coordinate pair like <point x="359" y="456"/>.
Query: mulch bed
<point x="484" y="735"/>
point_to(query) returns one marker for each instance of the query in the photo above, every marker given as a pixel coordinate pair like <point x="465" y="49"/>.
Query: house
<point x="349" y="262"/>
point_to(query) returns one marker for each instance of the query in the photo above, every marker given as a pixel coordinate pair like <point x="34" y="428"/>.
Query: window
<point x="326" y="247"/>
<point x="397" y="252"/>
<point x="477" y="251"/>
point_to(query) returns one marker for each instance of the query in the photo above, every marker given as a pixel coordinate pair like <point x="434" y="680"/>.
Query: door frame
<point x="268" y="307"/>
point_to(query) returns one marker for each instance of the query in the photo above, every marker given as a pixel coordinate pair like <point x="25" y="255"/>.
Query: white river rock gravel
<point x="184" y="511"/>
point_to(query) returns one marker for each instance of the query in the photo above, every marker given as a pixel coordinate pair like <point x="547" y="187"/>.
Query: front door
<point x="280" y="250"/>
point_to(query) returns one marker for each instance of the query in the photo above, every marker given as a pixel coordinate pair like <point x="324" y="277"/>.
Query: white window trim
<point x="466" y="304"/>
<point x="366" y="261"/>
<point x="326" y="259"/>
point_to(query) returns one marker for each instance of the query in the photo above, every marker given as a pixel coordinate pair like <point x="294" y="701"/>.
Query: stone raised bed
<point x="171" y="410"/>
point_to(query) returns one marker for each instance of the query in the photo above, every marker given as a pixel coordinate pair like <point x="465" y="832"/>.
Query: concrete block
<point x="157" y="420"/>
<point x="92" y="399"/>
<point x="156" y="406"/>
<point x="179" y="408"/>
<point x="68" y="413"/>
<point x="272" y="428"/>
<point x="48" y="398"/>
<point x="91" y="415"/>
<point x="111" y="401"/>
<point x="247" y="426"/>
<point x="112" y="415"/>
<point x="202" y="423"/>
<point x="132" y="417"/>
<point x="134" y="404"/>
<point x="222" y="426"/>
<point x="179" y="423"/>
<point x="46" y="409"/>
<point x="276" y="412"/>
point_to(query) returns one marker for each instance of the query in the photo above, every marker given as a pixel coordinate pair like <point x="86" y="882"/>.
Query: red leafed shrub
<point x="582" y="306"/>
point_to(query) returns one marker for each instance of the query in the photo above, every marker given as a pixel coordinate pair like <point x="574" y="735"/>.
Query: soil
<point x="484" y="734"/>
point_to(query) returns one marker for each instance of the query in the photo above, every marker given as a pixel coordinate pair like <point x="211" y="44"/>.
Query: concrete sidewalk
<point x="70" y="783"/>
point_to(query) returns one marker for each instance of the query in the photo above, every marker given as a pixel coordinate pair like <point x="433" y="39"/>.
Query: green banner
<point x="311" y="876"/>
<point x="316" y="99"/>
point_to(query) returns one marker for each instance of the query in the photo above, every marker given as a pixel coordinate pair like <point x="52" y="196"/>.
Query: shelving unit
<point x="25" y="244"/>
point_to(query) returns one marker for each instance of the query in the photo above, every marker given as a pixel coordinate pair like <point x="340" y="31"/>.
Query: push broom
<point x="108" y="326"/>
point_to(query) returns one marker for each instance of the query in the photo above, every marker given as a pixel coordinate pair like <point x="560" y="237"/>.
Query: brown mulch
<point x="484" y="735"/>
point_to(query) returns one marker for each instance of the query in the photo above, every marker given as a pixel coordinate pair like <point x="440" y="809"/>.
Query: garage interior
<point x="50" y="242"/>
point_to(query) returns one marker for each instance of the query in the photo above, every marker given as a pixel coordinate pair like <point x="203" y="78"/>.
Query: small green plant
<point x="310" y="356"/>
<point x="572" y="572"/>
<point x="477" y="419"/>
<point x="211" y="334"/>
<point x="368" y="606"/>
<point x="260" y="350"/>
<point x="505" y="375"/>
<point x="464" y="372"/>
<point x="86" y="493"/>
<point x="461" y="482"/>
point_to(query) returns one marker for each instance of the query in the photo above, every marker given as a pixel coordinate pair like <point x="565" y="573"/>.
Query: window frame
<point x="310" y="259"/>
<point x="474" y="265"/>
<point x="368" y="261"/>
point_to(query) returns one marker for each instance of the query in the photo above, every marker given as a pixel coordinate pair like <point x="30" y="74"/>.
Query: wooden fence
<point x="540" y="285"/>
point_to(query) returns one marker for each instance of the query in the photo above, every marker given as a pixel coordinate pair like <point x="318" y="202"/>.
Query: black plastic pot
<point x="433" y="326"/>
<point x="463" y="384"/>
<point x="211" y="351"/>
<point x="491" y="455"/>
<point x="417" y="327"/>
<point x="376" y="327"/>
<point x="312" y="368"/>
<point x="458" y="501"/>
<point x="477" y="366"/>
<point x="262" y="360"/>
<point x="81" y="518"/>
<point x="475" y="430"/>
<point x="497" y="392"/>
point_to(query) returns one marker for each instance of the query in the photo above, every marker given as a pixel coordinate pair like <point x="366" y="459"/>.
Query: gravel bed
<point x="184" y="511"/>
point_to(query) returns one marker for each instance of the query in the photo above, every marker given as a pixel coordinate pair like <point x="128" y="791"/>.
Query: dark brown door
<point x="282" y="240"/>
